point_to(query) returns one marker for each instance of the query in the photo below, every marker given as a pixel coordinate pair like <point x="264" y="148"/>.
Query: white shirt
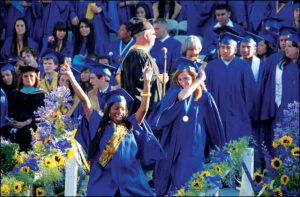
<point x="278" y="86"/>
<point x="229" y="24"/>
<point x="165" y="38"/>
<point x="227" y="62"/>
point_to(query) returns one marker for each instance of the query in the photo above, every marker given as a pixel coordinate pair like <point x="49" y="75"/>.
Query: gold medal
<point x="185" y="118"/>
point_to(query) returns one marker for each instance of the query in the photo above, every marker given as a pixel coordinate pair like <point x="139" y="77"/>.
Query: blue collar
<point x="31" y="90"/>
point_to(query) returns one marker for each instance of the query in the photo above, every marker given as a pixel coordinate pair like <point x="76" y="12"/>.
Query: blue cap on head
<point x="230" y="39"/>
<point x="271" y="22"/>
<point x="296" y="4"/>
<point x="8" y="65"/>
<point x="294" y="38"/>
<point x="288" y="30"/>
<point x="186" y="67"/>
<point x="184" y="63"/>
<point x="251" y="38"/>
<point x="51" y="53"/>
<point x="269" y="36"/>
<point x="118" y="95"/>
<point x="101" y="71"/>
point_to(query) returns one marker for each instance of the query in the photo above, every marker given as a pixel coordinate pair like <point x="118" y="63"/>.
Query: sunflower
<point x="25" y="169"/>
<point x="47" y="139"/>
<point x="218" y="169"/>
<point x="17" y="187"/>
<point x="284" y="179"/>
<point x="286" y="140"/>
<point x="54" y="116"/>
<point x="257" y="178"/>
<point x="49" y="163"/>
<point x="24" y="185"/>
<point x="275" y="143"/>
<point x="278" y="192"/>
<point x="296" y="151"/>
<point x="78" y="179"/>
<point x="5" y="189"/>
<point x="70" y="153"/>
<point x="203" y="174"/>
<point x="196" y="185"/>
<point x="39" y="192"/>
<point x="180" y="192"/>
<point x="58" y="159"/>
<point x="18" y="159"/>
<point x="276" y="163"/>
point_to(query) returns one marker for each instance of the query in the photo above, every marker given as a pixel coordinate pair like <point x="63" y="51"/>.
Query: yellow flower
<point x="72" y="141"/>
<point x="70" y="153"/>
<point x="276" y="163"/>
<point x="257" y="178"/>
<point x="278" y="192"/>
<point x="25" y="169"/>
<point x="24" y="184"/>
<point x="180" y="192"/>
<point x="39" y="192"/>
<point x="74" y="132"/>
<point x="296" y="151"/>
<point x="17" y="187"/>
<point x="54" y="116"/>
<point x="5" y="189"/>
<point x="203" y="174"/>
<point x="47" y="139"/>
<point x="38" y="145"/>
<point x="275" y="143"/>
<point x="58" y="159"/>
<point x="218" y="169"/>
<point x="78" y="179"/>
<point x="18" y="159"/>
<point x="286" y="140"/>
<point x="196" y="185"/>
<point x="284" y="179"/>
<point x="49" y="163"/>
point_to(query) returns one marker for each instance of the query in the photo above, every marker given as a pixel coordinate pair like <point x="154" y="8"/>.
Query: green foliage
<point x="7" y="160"/>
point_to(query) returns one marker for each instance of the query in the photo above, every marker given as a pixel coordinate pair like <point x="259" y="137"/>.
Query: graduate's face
<point x="247" y="50"/>
<point x="60" y="34"/>
<point x="222" y="16"/>
<point x="227" y="52"/>
<point x="49" y="65"/>
<point x="118" y="111"/>
<point x="262" y="48"/>
<point x="282" y="41"/>
<point x="297" y="14"/>
<point x="29" y="79"/>
<point x="184" y="79"/>
<point x="20" y="27"/>
<point x="84" y="29"/>
<point x="123" y="33"/>
<point x="17" y="66"/>
<point x="85" y="76"/>
<point x="160" y="30"/>
<point x="7" y="77"/>
<point x="291" y="51"/>
<point x="193" y="52"/>
<point x="104" y="61"/>
<point x="29" y="59"/>
<point x="64" y="81"/>
<point x="140" y="12"/>
<point x="98" y="83"/>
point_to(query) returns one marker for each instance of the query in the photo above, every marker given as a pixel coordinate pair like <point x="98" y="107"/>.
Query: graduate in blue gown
<point x="58" y="41"/>
<point x="210" y="40"/>
<point x="13" y="45"/>
<point x="163" y="39"/>
<point x="231" y="83"/>
<point x="190" y="121"/>
<point x="116" y="144"/>
<point x="279" y="87"/>
<point x="4" y="108"/>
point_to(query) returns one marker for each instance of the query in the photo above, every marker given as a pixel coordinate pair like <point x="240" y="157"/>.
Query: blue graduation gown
<point x="124" y="170"/>
<point x="66" y="51"/>
<point x="173" y="52"/>
<point x="119" y="49"/>
<point x="184" y="142"/>
<point x="4" y="107"/>
<point x="211" y="41"/>
<point x="11" y="13"/>
<point x="233" y="87"/>
<point x="5" y="51"/>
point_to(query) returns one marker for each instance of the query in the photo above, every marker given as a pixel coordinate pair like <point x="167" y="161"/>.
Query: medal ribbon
<point x="20" y="48"/>
<point x="60" y="44"/>
<point x="188" y="105"/>
<point x="120" y="47"/>
<point x="112" y="145"/>
<point x="278" y="10"/>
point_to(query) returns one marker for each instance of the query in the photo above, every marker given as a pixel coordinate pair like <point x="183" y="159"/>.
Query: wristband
<point x="145" y="95"/>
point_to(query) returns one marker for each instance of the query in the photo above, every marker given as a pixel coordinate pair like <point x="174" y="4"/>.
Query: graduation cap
<point x="8" y="65"/>
<point x="271" y="22"/>
<point x="28" y="68"/>
<point x="230" y="39"/>
<point x="139" y="25"/>
<point x="99" y="68"/>
<point x="118" y="95"/>
<point x="296" y="4"/>
<point x="269" y="36"/>
<point x="288" y="30"/>
<point x="251" y="38"/>
<point x="184" y="63"/>
<point x="223" y="29"/>
<point x="51" y="53"/>
<point x="294" y="38"/>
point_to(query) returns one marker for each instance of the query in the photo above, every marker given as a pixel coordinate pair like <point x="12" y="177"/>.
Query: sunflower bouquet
<point x="281" y="176"/>
<point x="223" y="169"/>
<point x="53" y="144"/>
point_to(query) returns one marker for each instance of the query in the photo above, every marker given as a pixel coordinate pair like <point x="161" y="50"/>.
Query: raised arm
<point x="186" y="92"/>
<point x="65" y="69"/>
<point x="142" y="111"/>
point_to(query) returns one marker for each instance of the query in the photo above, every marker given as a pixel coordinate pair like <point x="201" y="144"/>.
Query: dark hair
<point x="13" y="48"/>
<point x="270" y="49"/>
<point x="162" y="8"/>
<point x="92" y="149"/>
<point x="145" y="7"/>
<point x="90" y="44"/>
<point x="161" y="21"/>
<point x="20" y="84"/>
<point x="105" y="57"/>
<point x="59" y="26"/>
<point x="6" y="87"/>
<point x="222" y="7"/>
<point x="70" y="88"/>
<point x="32" y="51"/>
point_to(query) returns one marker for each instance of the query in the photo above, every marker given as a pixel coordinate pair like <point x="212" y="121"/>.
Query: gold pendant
<point x="185" y="118"/>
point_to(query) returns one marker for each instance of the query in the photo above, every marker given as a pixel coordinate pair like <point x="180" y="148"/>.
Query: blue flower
<point x="214" y="181"/>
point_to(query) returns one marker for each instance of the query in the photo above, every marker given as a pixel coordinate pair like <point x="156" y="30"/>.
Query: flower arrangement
<point x="43" y="168"/>
<point x="281" y="176"/>
<point x="225" y="164"/>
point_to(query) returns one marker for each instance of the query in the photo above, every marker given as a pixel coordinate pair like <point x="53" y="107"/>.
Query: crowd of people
<point x="151" y="108"/>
